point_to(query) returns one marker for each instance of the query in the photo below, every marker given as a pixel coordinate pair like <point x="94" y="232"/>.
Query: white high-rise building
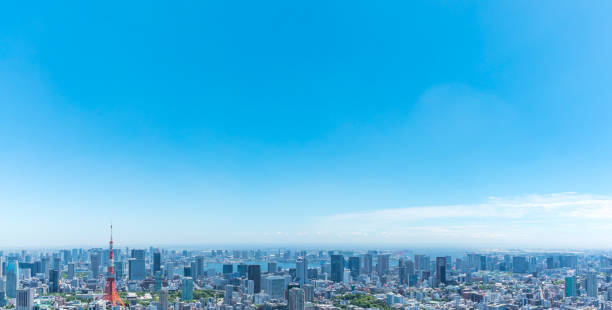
<point x="301" y="270"/>
<point x="274" y="286"/>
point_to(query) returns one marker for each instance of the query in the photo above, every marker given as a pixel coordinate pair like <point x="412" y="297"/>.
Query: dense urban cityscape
<point x="313" y="279"/>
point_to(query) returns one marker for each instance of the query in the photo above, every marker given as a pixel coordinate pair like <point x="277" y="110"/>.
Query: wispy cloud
<point x="557" y="220"/>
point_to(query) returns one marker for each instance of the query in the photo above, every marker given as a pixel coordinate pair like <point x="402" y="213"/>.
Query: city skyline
<point x="420" y="124"/>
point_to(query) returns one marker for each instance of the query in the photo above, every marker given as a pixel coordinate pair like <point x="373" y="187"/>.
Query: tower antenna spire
<point x="110" y="289"/>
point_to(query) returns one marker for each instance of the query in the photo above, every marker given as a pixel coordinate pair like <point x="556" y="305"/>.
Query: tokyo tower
<point x="110" y="290"/>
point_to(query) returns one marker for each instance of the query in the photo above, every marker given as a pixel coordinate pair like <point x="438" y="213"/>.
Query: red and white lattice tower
<point x="110" y="290"/>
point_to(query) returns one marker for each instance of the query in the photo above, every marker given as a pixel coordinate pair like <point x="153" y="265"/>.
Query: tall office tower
<point x="54" y="275"/>
<point x="12" y="276"/>
<point x="187" y="271"/>
<point x="421" y="262"/>
<point x="187" y="288"/>
<point x="272" y="267"/>
<point x="67" y="256"/>
<point x="95" y="264"/>
<point x="1" y="264"/>
<point x="243" y="269"/>
<point x="156" y="261"/>
<point x="367" y="263"/>
<point x="57" y="263"/>
<point x="337" y="267"/>
<point x="483" y="262"/>
<point x="296" y="299"/>
<point x="309" y="292"/>
<point x="158" y="281"/>
<point x="229" y="291"/>
<point x="163" y="300"/>
<point x="440" y="270"/>
<point x="274" y="286"/>
<point x="301" y="270"/>
<point x="25" y="299"/>
<point x="519" y="264"/>
<point x="200" y="265"/>
<point x="138" y="253"/>
<point x="119" y="269"/>
<point x="104" y="258"/>
<point x="228" y="268"/>
<point x="402" y="271"/>
<point x="591" y="284"/>
<point x="570" y="286"/>
<point x="71" y="272"/>
<point x="254" y="273"/>
<point x="382" y="264"/>
<point x="45" y="266"/>
<point x="194" y="270"/>
<point x="136" y="269"/>
<point x="353" y="266"/>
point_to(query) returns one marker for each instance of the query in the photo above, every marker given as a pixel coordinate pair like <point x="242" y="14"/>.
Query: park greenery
<point x="361" y="300"/>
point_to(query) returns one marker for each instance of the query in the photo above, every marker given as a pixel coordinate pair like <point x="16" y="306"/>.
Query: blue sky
<point x="241" y="122"/>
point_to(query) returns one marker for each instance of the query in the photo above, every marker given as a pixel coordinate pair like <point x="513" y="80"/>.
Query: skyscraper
<point x="243" y="269"/>
<point x="25" y="299"/>
<point x="272" y="267"/>
<point x="156" y="261"/>
<point x="421" y="262"/>
<point x="440" y="270"/>
<point x="353" y="266"/>
<point x="254" y="273"/>
<point x="382" y="264"/>
<point x="337" y="267"/>
<point x="591" y="284"/>
<point x="570" y="286"/>
<point x="138" y="253"/>
<point x="301" y="270"/>
<point x="228" y="268"/>
<point x="274" y="286"/>
<point x="54" y="275"/>
<point x="57" y="263"/>
<point x="296" y="299"/>
<point x="367" y="263"/>
<point x="200" y="265"/>
<point x="136" y="269"/>
<point x="158" y="281"/>
<point x="187" y="288"/>
<point x="194" y="270"/>
<point x="519" y="264"/>
<point x="95" y="264"/>
<point x="402" y="271"/>
<point x="71" y="270"/>
<point x="12" y="276"/>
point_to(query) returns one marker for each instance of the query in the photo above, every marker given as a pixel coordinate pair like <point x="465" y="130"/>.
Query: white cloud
<point x="552" y="220"/>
